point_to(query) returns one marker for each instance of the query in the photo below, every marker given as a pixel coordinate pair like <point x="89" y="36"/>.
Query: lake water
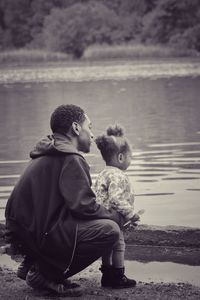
<point x="162" y="121"/>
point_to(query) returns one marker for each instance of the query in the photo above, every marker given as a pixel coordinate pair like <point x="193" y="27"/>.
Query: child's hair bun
<point x="101" y="141"/>
<point x="115" y="130"/>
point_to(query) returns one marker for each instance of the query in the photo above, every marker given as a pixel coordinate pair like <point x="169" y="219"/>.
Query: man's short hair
<point x="63" y="117"/>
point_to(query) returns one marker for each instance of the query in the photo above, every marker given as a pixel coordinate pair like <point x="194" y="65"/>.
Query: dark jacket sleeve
<point x="75" y="187"/>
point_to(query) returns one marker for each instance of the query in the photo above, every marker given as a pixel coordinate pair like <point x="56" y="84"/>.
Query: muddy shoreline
<point x="13" y="288"/>
<point x="146" y="243"/>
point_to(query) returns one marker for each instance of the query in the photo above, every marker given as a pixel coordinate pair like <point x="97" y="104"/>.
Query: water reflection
<point x="168" y="190"/>
<point x="166" y="183"/>
<point x="163" y="272"/>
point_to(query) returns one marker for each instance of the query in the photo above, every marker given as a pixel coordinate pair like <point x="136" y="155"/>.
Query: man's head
<point x="71" y="120"/>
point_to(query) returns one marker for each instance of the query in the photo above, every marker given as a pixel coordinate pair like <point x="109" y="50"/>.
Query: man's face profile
<point x="86" y="136"/>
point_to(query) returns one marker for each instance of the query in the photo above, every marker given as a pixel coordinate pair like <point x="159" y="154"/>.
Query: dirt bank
<point x="174" y="236"/>
<point x="177" y="236"/>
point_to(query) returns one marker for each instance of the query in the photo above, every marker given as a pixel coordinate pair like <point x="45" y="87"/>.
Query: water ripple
<point x="163" y="180"/>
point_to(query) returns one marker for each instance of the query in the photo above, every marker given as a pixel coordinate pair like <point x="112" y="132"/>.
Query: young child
<point x="113" y="190"/>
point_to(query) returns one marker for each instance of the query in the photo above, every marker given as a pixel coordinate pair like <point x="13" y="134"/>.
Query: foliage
<point x="189" y="39"/>
<point x="170" y="20"/>
<point x="72" y="29"/>
<point x="128" y="7"/>
<point x="73" y="25"/>
<point x="15" y="19"/>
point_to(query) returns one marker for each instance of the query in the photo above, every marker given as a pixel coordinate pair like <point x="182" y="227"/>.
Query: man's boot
<point x="37" y="281"/>
<point x="24" y="267"/>
<point x="115" y="278"/>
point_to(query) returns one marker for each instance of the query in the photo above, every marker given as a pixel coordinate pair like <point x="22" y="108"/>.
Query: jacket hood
<point x="53" y="145"/>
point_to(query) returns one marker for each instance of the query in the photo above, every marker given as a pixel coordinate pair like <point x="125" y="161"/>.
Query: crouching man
<point x="52" y="217"/>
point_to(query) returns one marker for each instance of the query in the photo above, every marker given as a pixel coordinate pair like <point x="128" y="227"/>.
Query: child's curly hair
<point x="113" y="142"/>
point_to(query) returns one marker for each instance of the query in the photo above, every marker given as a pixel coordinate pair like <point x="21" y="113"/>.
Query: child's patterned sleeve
<point x="99" y="188"/>
<point x="119" y="195"/>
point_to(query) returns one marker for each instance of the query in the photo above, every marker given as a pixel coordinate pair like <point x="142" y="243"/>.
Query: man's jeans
<point x="95" y="238"/>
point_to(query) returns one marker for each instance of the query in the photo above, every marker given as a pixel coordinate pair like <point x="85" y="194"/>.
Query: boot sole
<point x="118" y="287"/>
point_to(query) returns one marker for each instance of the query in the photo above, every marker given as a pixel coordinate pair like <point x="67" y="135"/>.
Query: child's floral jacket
<point x="113" y="190"/>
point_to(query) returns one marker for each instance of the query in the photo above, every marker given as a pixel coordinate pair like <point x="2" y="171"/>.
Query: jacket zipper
<point x="73" y="252"/>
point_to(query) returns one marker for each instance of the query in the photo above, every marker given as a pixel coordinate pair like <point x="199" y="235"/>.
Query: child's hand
<point x="133" y="221"/>
<point x="129" y="225"/>
<point x="135" y="218"/>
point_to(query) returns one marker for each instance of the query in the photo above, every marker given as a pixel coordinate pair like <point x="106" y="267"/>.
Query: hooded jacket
<point x="52" y="195"/>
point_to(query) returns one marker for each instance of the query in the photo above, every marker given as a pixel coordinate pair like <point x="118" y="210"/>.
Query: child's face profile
<point x="128" y="157"/>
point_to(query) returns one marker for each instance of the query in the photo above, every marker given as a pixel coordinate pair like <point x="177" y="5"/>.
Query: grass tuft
<point x="136" y="51"/>
<point x="23" y="56"/>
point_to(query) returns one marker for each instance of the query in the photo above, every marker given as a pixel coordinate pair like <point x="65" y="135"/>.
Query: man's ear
<point x="76" y="128"/>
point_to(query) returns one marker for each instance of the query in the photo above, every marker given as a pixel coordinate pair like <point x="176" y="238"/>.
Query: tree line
<point x="70" y="26"/>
